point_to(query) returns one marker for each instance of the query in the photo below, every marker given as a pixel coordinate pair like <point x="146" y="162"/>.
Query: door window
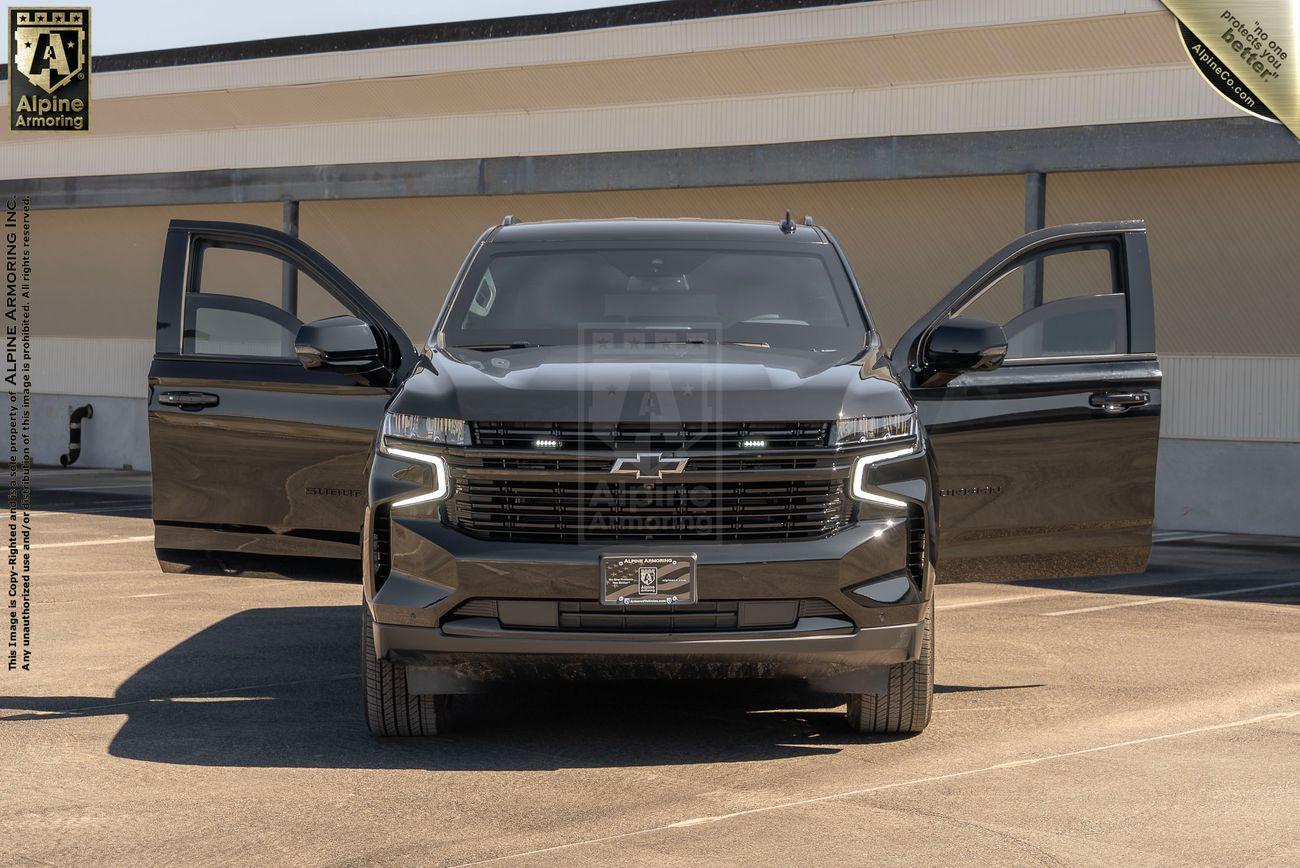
<point x="1065" y="302"/>
<point x="237" y="305"/>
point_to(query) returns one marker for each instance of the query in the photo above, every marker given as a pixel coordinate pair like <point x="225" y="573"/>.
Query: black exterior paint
<point x="275" y="465"/>
<point x="1017" y="473"/>
<point x="1033" y="479"/>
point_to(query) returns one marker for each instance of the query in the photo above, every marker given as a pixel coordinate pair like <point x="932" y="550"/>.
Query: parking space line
<point x="95" y="489"/>
<point x="93" y="542"/>
<point x="1100" y="589"/>
<point x="1013" y="599"/>
<point x="781" y="806"/>
<point x="1154" y="600"/>
<point x="81" y="509"/>
<point x="1176" y="535"/>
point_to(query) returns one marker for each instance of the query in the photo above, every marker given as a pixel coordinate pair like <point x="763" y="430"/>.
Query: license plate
<point x="647" y="580"/>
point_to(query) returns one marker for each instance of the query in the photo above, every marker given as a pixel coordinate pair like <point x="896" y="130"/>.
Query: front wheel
<point x="907" y="705"/>
<point x="390" y="708"/>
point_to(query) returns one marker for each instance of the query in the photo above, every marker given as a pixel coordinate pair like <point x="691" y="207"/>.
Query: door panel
<point x="252" y="452"/>
<point x="1036" y="483"/>
<point x="1046" y="465"/>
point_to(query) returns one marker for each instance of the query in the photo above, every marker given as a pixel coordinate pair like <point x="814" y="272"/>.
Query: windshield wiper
<point x="513" y="345"/>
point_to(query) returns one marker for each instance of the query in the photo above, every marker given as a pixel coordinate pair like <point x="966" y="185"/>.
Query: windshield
<point x="656" y="295"/>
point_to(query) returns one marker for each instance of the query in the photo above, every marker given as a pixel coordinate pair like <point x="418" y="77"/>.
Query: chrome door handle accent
<point x="1118" y="402"/>
<point x="189" y="400"/>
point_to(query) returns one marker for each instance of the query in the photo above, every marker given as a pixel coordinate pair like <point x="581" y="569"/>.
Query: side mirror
<point x="962" y="344"/>
<point x="340" y="343"/>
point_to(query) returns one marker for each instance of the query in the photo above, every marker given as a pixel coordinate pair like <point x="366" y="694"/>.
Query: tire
<point x="390" y="709"/>
<point x="907" y="705"/>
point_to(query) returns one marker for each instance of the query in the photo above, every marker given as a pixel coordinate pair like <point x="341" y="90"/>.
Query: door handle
<point x="1118" y="402"/>
<point x="189" y="400"/>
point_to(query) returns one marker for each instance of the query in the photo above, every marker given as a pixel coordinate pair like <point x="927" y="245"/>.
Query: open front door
<point x="252" y="452"/>
<point x="1046" y="463"/>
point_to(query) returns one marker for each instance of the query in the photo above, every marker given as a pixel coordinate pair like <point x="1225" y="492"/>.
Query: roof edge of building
<point x="1103" y="147"/>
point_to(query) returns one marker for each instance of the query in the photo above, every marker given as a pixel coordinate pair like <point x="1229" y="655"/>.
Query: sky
<point x="119" y="26"/>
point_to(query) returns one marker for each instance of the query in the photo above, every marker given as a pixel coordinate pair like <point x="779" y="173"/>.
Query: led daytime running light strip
<point x="439" y="471"/>
<point x="861" y="492"/>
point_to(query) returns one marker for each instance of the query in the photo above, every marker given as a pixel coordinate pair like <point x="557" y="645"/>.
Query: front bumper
<point x="822" y="651"/>
<point x="432" y="569"/>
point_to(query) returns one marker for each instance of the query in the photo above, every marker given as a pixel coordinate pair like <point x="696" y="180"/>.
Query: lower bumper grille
<point x="589" y="617"/>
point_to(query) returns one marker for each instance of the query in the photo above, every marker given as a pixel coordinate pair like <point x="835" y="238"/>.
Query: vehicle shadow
<point x="1235" y="568"/>
<point x="280" y="687"/>
<point x="128" y="502"/>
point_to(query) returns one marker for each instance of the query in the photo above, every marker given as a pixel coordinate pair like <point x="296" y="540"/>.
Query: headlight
<point x="897" y="431"/>
<point x="426" y="429"/>
<point x="873" y="429"/>
<point x="404" y="433"/>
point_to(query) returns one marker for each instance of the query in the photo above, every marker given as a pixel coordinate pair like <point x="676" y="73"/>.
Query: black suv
<point x="654" y="448"/>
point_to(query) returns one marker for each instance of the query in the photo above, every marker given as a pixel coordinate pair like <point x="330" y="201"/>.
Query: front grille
<point x="577" y="511"/>
<point x="600" y="464"/>
<point x="676" y="437"/>
<point x="705" y="617"/>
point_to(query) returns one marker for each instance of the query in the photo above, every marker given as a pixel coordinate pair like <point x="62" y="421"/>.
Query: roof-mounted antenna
<point x="509" y="221"/>
<point x="808" y="221"/>
<point x="787" y="225"/>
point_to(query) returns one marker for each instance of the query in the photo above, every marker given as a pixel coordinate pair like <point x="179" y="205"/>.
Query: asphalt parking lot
<point x="1141" y="720"/>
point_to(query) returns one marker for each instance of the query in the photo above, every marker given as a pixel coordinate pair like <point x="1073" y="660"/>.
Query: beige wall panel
<point x="676" y="37"/>
<point x="909" y="241"/>
<point x="96" y="269"/>
<point x="1225" y="250"/>
<point x="1212" y="397"/>
<point x="1157" y="93"/>
<point x="946" y="55"/>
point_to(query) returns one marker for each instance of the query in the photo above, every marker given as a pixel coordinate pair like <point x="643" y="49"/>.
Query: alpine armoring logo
<point x="49" y="70"/>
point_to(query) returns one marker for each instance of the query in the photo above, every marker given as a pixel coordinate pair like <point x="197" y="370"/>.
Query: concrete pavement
<point x="1144" y="720"/>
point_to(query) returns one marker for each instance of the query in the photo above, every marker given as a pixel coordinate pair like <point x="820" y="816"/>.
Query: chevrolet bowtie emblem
<point x="648" y="465"/>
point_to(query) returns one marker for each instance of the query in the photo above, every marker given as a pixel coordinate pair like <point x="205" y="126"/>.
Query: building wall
<point x="1226" y="267"/>
<point x="855" y="70"/>
<point x="1224" y="252"/>
<point x="96" y="269"/>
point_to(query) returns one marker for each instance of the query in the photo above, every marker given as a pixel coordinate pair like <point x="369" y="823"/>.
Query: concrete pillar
<point x="1035" y="218"/>
<point x="289" y="272"/>
<point x="289" y="280"/>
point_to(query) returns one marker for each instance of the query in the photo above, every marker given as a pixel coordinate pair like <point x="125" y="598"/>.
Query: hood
<point x="668" y="383"/>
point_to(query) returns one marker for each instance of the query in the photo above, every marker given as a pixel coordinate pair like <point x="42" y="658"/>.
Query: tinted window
<point x="240" y="310"/>
<point x="1063" y="303"/>
<point x="568" y="296"/>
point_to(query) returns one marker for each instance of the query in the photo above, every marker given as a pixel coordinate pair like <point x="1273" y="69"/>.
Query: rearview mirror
<point x="962" y="344"/>
<point x="340" y="343"/>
